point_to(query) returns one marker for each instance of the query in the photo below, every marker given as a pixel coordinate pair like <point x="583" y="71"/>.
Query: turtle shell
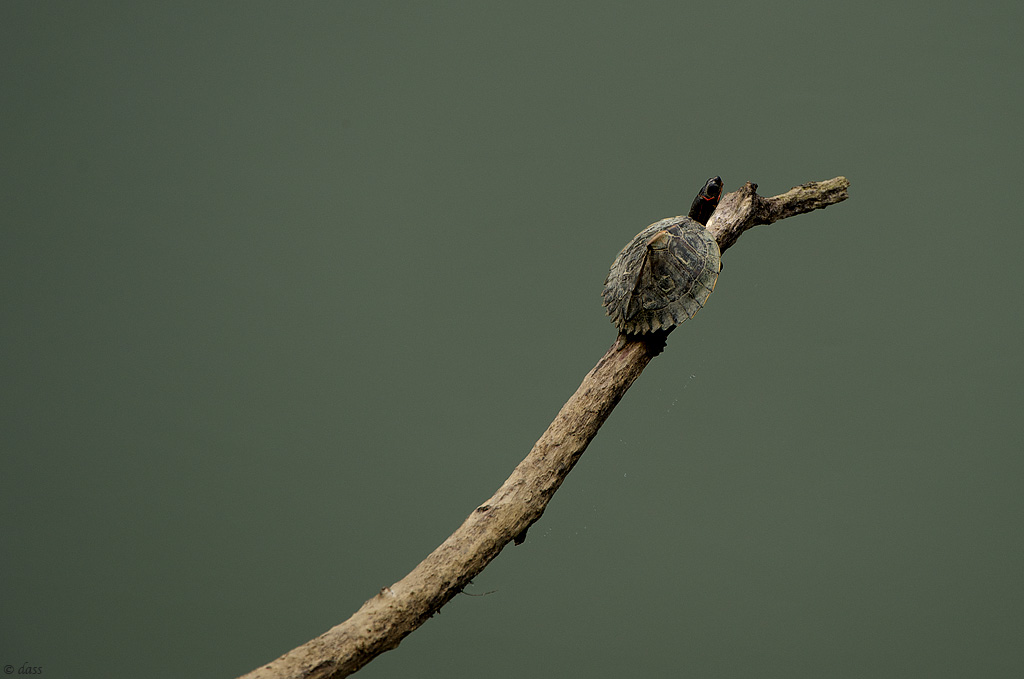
<point x="662" y="277"/>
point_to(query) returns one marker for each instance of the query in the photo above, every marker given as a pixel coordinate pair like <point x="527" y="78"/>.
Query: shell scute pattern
<point x="662" y="277"/>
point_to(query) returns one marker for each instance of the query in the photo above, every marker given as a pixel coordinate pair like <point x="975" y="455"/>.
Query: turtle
<point x="667" y="272"/>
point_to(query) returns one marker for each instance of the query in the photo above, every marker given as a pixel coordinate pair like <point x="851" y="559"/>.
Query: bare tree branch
<point x="383" y="621"/>
<point x="744" y="209"/>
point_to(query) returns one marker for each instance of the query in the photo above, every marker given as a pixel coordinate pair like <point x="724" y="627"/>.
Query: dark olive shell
<point x="662" y="277"/>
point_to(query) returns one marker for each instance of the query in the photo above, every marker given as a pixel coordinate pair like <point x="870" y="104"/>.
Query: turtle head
<point x="707" y="200"/>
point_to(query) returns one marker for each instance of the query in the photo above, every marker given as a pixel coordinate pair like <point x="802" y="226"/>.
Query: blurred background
<point x="289" y="289"/>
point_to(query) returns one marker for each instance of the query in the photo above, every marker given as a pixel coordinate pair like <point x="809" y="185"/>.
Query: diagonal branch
<point x="383" y="621"/>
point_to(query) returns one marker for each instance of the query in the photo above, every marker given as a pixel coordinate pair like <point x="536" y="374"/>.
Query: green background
<point x="289" y="288"/>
